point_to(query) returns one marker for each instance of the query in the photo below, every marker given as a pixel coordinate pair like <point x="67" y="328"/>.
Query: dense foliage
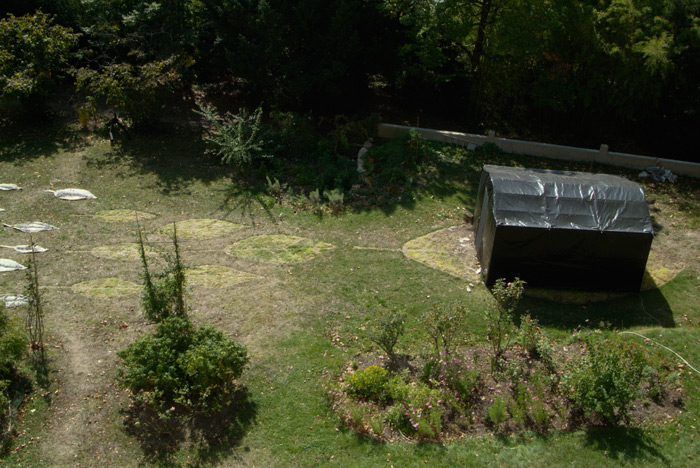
<point x="581" y="72"/>
<point x="195" y="368"/>
<point x="13" y="346"/>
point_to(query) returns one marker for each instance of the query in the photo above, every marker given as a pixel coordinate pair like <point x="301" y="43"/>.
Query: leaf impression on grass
<point x="25" y="249"/>
<point x="202" y="228"/>
<point x="121" y="215"/>
<point x="106" y="288"/>
<point x="14" y="300"/>
<point x="10" y="265"/>
<point x="217" y="276"/>
<point x="34" y="226"/>
<point x="8" y="187"/>
<point x="123" y="251"/>
<point x="72" y="194"/>
<point x="277" y="248"/>
<point x="450" y="250"/>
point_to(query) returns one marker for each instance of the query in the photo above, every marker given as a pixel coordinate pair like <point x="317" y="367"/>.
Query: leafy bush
<point x="315" y="199"/>
<point x="239" y="140"/>
<point x="369" y="384"/>
<point x="606" y="379"/>
<point x="135" y="91"/>
<point x="530" y="334"/>
<point x="163" y="293"/>
<point x="13" y="347"/>
<point x="180" y="364"/>
<point x="446" y="327"/>
<point x="497" y="412"/>
<point x="275" y="188"/>
<point x="500" y="320"/>
<point x="386" y="328"/>
<point x="33" y="53"/>
<point x="336" y="200"/>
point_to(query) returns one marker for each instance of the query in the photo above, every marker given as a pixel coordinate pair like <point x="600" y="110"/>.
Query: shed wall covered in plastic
<point x="562" y="229"/>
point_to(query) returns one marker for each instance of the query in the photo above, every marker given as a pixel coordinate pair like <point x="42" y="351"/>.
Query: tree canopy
<point x="587" y="71"/>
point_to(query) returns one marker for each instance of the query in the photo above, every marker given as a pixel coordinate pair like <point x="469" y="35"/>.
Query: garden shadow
<point x="647" y="308"/>
<point x="176" y="156"/>
<point x="212" y="438"/>
<point x="623" y="443"/>
<point x="22" y="140"/>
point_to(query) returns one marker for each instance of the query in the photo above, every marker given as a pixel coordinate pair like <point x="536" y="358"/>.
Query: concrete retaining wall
<point x="568" y="153"/>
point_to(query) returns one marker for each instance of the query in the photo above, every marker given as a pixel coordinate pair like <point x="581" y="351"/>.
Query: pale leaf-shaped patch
<point x="10" y="265"/>
<point x="34" y="226"/>
<point x="72" y="194"/>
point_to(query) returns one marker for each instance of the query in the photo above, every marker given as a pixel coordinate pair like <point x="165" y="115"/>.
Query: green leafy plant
<point x="275" y="188"/>
<point x="386" y="328"/>
<point x="195" y="368"/>
<point x="530" y="334"/>
<point x="135" y="91"/>
<point x="316" y="202"/>
<point x="163" y="293"/>
<point x="446" y="328"/>
<point x="34" y="55"/>
<point x="497" y="413"/>
<point x="500" y="319"/>
<point x="238" y="140"/>
<point x="370" y="383"/>
<point x="336" y="200"/>
<point x="606" y="379"/>
<point x="13" y="347"/>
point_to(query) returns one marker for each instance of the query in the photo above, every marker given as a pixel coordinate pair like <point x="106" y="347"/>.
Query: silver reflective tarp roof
<point x="567" y="200"/>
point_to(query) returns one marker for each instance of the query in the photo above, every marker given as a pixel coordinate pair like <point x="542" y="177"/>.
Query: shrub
<point x="530" y="335"/>
<point x="606" y="380"/>
<point x="386" y="328"/>
<point x="369" y="383"/>
<point x="500" y="320"/>
<point x="180" y="364"/>
<point x="315" y="199"/>
<point x="275" y="189"/>
<point x="336" y="200"/>
<point x="239" y="140"/>
<point x="136" y="91"/>
<point x="163" y="293"/>
<point x="497" y="412"/>
<point x="446" y="327"/>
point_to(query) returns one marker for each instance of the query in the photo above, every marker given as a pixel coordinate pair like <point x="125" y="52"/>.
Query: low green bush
<point x="180" y="364"/>
<point x="369" y="384"/>
<point x="606" y="379"/>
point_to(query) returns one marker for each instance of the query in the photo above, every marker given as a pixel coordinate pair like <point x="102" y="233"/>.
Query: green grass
<point x="301" y="321"/>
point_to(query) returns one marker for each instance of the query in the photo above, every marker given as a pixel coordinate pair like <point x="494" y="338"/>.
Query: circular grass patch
<point x="200" y="228"/>
<point x="120" y="216"/>
<point x="123" y="251"/>
<point x="106" y="288"/>
<point x="217" y="276"/>
<point x="276" y="248"/>
<point x="450" y="250"/>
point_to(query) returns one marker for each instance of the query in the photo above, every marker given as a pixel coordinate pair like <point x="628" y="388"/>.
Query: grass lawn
<point x="297" y="298"/>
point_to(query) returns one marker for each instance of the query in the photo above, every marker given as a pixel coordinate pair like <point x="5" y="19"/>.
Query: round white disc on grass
<point x="72" y="194"/>
<point x="14" y="300"/>
<point x="35" y="226"/>
<point x="10" y="265"/>
<point x="25" y="248"/>
<point x="7" y="187"/>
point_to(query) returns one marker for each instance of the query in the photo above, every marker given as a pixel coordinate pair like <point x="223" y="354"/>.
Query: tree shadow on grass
<point x="628" y="443"/>
<point x="175" y="156"/>
<point x="209" y="439"/>
<point x="24" y="140"/>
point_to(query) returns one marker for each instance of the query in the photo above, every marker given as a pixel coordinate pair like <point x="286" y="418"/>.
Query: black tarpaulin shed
<point x="562" y="229"/>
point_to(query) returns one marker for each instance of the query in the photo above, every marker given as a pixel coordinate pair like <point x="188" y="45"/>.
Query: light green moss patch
<point x="120" y="216"/>
<point x="217" y="276"/>
<point x="200" y="228"/>
<point x="450" y="250"/>
<point x="275" y="248"/>
<point x="106" y="288"/>
<point x="124" y="251"/>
